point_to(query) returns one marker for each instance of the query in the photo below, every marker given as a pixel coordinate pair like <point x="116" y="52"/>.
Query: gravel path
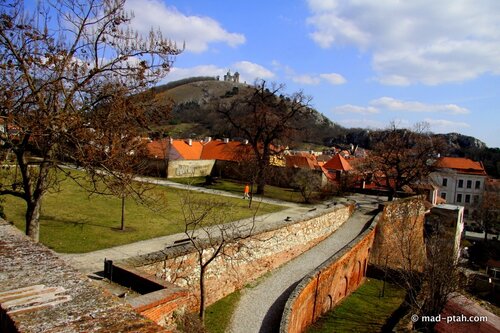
<point x="261" y="306"/>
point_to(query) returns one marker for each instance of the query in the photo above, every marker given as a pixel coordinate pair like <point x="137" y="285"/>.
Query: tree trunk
<point x="33" y="219"/>
<point x="202" y="293"/>
<point x="261" y="177"/>
<point x="122" y="227"/>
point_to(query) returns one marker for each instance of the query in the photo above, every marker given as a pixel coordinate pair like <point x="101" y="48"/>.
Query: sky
<point x="365" y="63"/>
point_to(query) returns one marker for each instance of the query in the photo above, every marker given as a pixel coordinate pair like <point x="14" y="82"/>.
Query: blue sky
<point x="365" y="63"/>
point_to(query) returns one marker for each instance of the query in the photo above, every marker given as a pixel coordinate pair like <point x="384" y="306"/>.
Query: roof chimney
<point x="245" y="141"/>
<point x="226" y="140"/>
<point x="208" y="139"/>
<point x="190" y="142"/>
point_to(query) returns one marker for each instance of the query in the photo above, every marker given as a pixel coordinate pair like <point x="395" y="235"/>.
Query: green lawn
<point x="363" y="310"/>
<point x="218" y="315"/>
<point x="273" y="192"/>
<point x="73" y="222"/>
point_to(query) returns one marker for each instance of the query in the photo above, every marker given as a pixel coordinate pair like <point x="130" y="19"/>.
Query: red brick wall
<point x="400" y="223"/>
<point x="321" y="290"/>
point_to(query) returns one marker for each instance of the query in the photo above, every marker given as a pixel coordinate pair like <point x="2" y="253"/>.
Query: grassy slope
<point x="73" y="222"/>
<point x="362" y="311"/>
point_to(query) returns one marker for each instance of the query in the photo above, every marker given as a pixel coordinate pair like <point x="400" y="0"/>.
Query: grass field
<point x="218" y="315"/>
<point x="273" y="192"/>
<point x="73" y="222"/>
<point x="363" y="310"/>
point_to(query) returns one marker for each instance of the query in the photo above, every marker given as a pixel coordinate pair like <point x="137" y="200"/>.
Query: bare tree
<point x="439" y="281"/>
<point x="59" y="63"/>
<point x="208" y="227"/>
<point x="265" y="117"/>
<point x="427" y="271"/>
<point x="307" y="182"/>
<point x="401" y="157"/>
<point x="487" y="211"/>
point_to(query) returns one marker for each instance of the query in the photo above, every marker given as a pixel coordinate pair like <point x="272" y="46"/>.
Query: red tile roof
<point x="185" y="150"/>
<point x="300" y="161"/>
<point x="337" y="163"/>
<point x="226" y="151"/>
<point x="461" y="165"/>
<point x="157" y="149"/>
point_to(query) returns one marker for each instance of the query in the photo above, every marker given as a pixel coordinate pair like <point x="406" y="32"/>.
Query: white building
<point x="461" y="181"/>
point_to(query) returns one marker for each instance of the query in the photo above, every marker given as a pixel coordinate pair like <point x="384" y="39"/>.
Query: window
<point x="478" y="184"/>
<point x="443" y="195"/>
<point x="469" y="184"/>
<point x="467" y="198"/>
<point x="466" y="212"/>
<point x="460" y="183"/>
<point x="475" y="199"/>
<point x="459" y="197"/>
<point x="445" y="181"/>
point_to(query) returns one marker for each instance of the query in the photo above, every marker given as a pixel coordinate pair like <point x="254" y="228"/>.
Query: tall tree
<point x="401" y="157"/>
<point x="267" y="119"/>
<point x="59" y="62"/>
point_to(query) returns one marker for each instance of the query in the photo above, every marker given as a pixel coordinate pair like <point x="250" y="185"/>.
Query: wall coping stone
<point x="41" y="292"/>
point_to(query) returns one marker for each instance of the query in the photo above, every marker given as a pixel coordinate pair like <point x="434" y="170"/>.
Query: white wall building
<point x="461" y="181"/>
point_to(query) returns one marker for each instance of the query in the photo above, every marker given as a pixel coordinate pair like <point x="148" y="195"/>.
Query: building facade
<point x="461" y="181"/>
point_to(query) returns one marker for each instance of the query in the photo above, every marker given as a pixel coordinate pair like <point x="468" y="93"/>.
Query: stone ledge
<point x="84" y="307"/>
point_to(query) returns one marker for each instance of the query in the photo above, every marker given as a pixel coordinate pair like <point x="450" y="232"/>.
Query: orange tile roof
<point x="185" y="150"/>
<point x="225" y="151"/>
<point x="300" y="161"/>
<point x="338" y="163"/>
<point x="157" y="149"/>
<point x="461" y="165"/>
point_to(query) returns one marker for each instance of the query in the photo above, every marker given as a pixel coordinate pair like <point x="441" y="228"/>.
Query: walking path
<point x="260" y="307"/>
<point x="92" y="262"/>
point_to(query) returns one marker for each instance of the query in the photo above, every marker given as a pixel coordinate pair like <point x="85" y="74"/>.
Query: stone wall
<point x="326" y="286"/>
<point x="399" y="241"/>
<point x="39" y="292"/>
<point x="248" y="259"/>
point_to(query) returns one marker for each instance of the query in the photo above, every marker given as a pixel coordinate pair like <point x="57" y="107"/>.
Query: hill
<point x="194" y="102"/>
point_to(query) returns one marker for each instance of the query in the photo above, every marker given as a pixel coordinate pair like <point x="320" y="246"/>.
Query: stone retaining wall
<point x="249" y="259"/>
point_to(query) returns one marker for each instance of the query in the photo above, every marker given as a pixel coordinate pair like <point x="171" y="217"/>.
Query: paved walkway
<point x="260" y="307"/>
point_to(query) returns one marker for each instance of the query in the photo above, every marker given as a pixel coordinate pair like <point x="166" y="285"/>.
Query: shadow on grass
<point x="54" y="220"/>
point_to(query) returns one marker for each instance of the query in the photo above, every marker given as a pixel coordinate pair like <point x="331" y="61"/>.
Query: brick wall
<point x="326" y="286"/>
<point x="399" y="224"/>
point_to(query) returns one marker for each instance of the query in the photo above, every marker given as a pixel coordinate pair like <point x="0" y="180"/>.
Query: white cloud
<point x="306" y="79"/>
<point x="177" y="73"/>
<point x="196" y="31"/>
<point x="350" y="109"/>
<point x="393" y="104"/>
<point x="427" y="41"/>
<point x="333" y="78"/>
<point x="249" y="72"/>
<point x="362" y="123"/>
<point x="442" y="125"/>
